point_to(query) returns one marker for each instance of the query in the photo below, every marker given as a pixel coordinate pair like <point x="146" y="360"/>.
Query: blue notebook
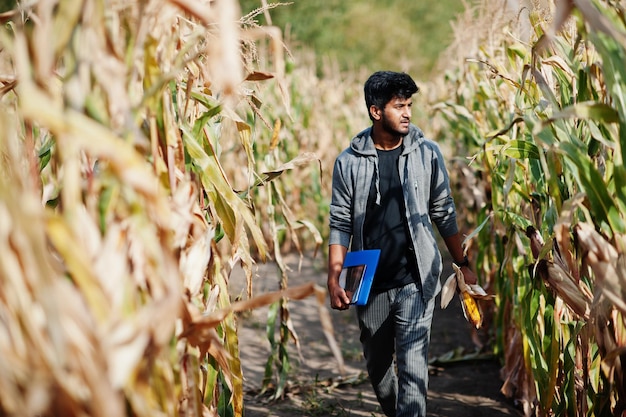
<point x="358" y="273"/>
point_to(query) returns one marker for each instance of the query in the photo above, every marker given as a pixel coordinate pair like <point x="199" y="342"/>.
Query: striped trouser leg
<point x="413" y="319"/>
<point x="377" y="338"/>
<point x="397" y="319"/>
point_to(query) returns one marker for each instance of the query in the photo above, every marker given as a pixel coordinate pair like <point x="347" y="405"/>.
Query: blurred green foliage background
<point x="400" y="35"/>
<point x="6" y="5"/>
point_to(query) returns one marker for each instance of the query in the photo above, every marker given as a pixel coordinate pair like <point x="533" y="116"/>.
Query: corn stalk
<point x="546" y="124"/>
<point x="119" y="225"/>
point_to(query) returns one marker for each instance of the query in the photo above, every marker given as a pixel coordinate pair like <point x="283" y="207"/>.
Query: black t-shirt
<point x="385" y="226"/>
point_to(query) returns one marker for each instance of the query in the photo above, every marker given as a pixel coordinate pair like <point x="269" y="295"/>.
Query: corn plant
<point x="545" y="125"/>
<point x="319" y="122"/>
<point x="118" y="223"/>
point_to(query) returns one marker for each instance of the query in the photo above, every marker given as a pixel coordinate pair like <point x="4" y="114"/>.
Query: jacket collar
<point x="363" y="144"/>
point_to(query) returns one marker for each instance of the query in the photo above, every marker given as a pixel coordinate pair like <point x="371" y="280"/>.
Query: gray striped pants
<point x="398" y="321"/>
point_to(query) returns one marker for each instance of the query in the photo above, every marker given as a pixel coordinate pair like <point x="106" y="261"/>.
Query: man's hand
<point x="455" y="248"/>
<point x="469" y="275"/>
<point x="338" y="298"/>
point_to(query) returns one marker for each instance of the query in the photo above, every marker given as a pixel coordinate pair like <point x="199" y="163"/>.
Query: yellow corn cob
<point x="471" y="309"/>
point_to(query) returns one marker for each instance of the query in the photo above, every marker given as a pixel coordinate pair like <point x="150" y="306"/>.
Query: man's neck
<point x="384" y="140"/>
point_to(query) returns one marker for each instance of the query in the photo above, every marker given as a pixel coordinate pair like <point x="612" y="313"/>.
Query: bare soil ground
<point x="463" y="381"/>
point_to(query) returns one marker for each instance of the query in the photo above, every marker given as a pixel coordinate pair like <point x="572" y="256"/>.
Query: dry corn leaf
<point x="327" y="326"/>
<point x="186" y="218"/>
<point x="78" y="264"/>
<point x="259" y="76"/>
<point x="448" y="290"/>
<point x="609" y="266"/>
<point x="300" y="160"/>
<point x="194" y="261"/>
<point x="126" y="162"/>
<point x="213" y="319"/>
<point x="565" y="286"/>
<point x="111" y="266"/>
<point x="125" y="346"/>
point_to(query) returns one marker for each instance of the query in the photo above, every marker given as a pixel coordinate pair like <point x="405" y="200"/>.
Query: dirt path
<point x="468" y="387"/>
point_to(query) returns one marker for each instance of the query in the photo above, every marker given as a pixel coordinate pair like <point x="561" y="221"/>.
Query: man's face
<point x="396" y="116"/>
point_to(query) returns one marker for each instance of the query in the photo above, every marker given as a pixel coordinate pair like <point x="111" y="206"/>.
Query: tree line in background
<point x="399" y="35"/>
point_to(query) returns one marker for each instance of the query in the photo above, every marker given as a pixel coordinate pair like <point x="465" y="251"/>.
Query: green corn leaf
<point x="544" y="134"/>
<point x="224" y="405"/>
<point x="515" y="219"/>
<point x="232" y="209"/>
<point x="285" y="367"/>
<point x="553" y="351"/>
<point x="45" y="154"/>
<point x="602" y="134"/>
<point x="619" y="179"/>
<point x="270" y="332"/>
<point x="231" y="341"/>
<point x="599" y="112"/>
<point x="518" y="50"/>
<point x="592" y="183"/>
<point x="212" y="375"/>
<point x="213" y="106"/>
<point x="520" y="149"/>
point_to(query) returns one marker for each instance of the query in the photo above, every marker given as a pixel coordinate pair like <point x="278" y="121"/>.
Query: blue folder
<point x="358" y="273"/>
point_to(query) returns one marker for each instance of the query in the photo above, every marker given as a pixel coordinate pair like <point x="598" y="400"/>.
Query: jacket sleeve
<point x="340" y="216"/>
<point x="442" y="208"/>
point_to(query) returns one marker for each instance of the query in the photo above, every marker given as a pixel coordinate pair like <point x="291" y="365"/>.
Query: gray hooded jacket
<point x="427" y="199"/>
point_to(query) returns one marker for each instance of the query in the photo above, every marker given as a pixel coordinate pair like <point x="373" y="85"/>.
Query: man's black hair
<point x="382" y="86"/>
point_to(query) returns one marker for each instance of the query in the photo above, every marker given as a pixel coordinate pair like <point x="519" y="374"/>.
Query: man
<point x="389" y="187"/>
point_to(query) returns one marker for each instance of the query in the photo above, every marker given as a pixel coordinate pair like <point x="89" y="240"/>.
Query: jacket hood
<point x="363" y="144"/>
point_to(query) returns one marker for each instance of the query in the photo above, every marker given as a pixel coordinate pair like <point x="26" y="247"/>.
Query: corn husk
<point x="468" y="294"/>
